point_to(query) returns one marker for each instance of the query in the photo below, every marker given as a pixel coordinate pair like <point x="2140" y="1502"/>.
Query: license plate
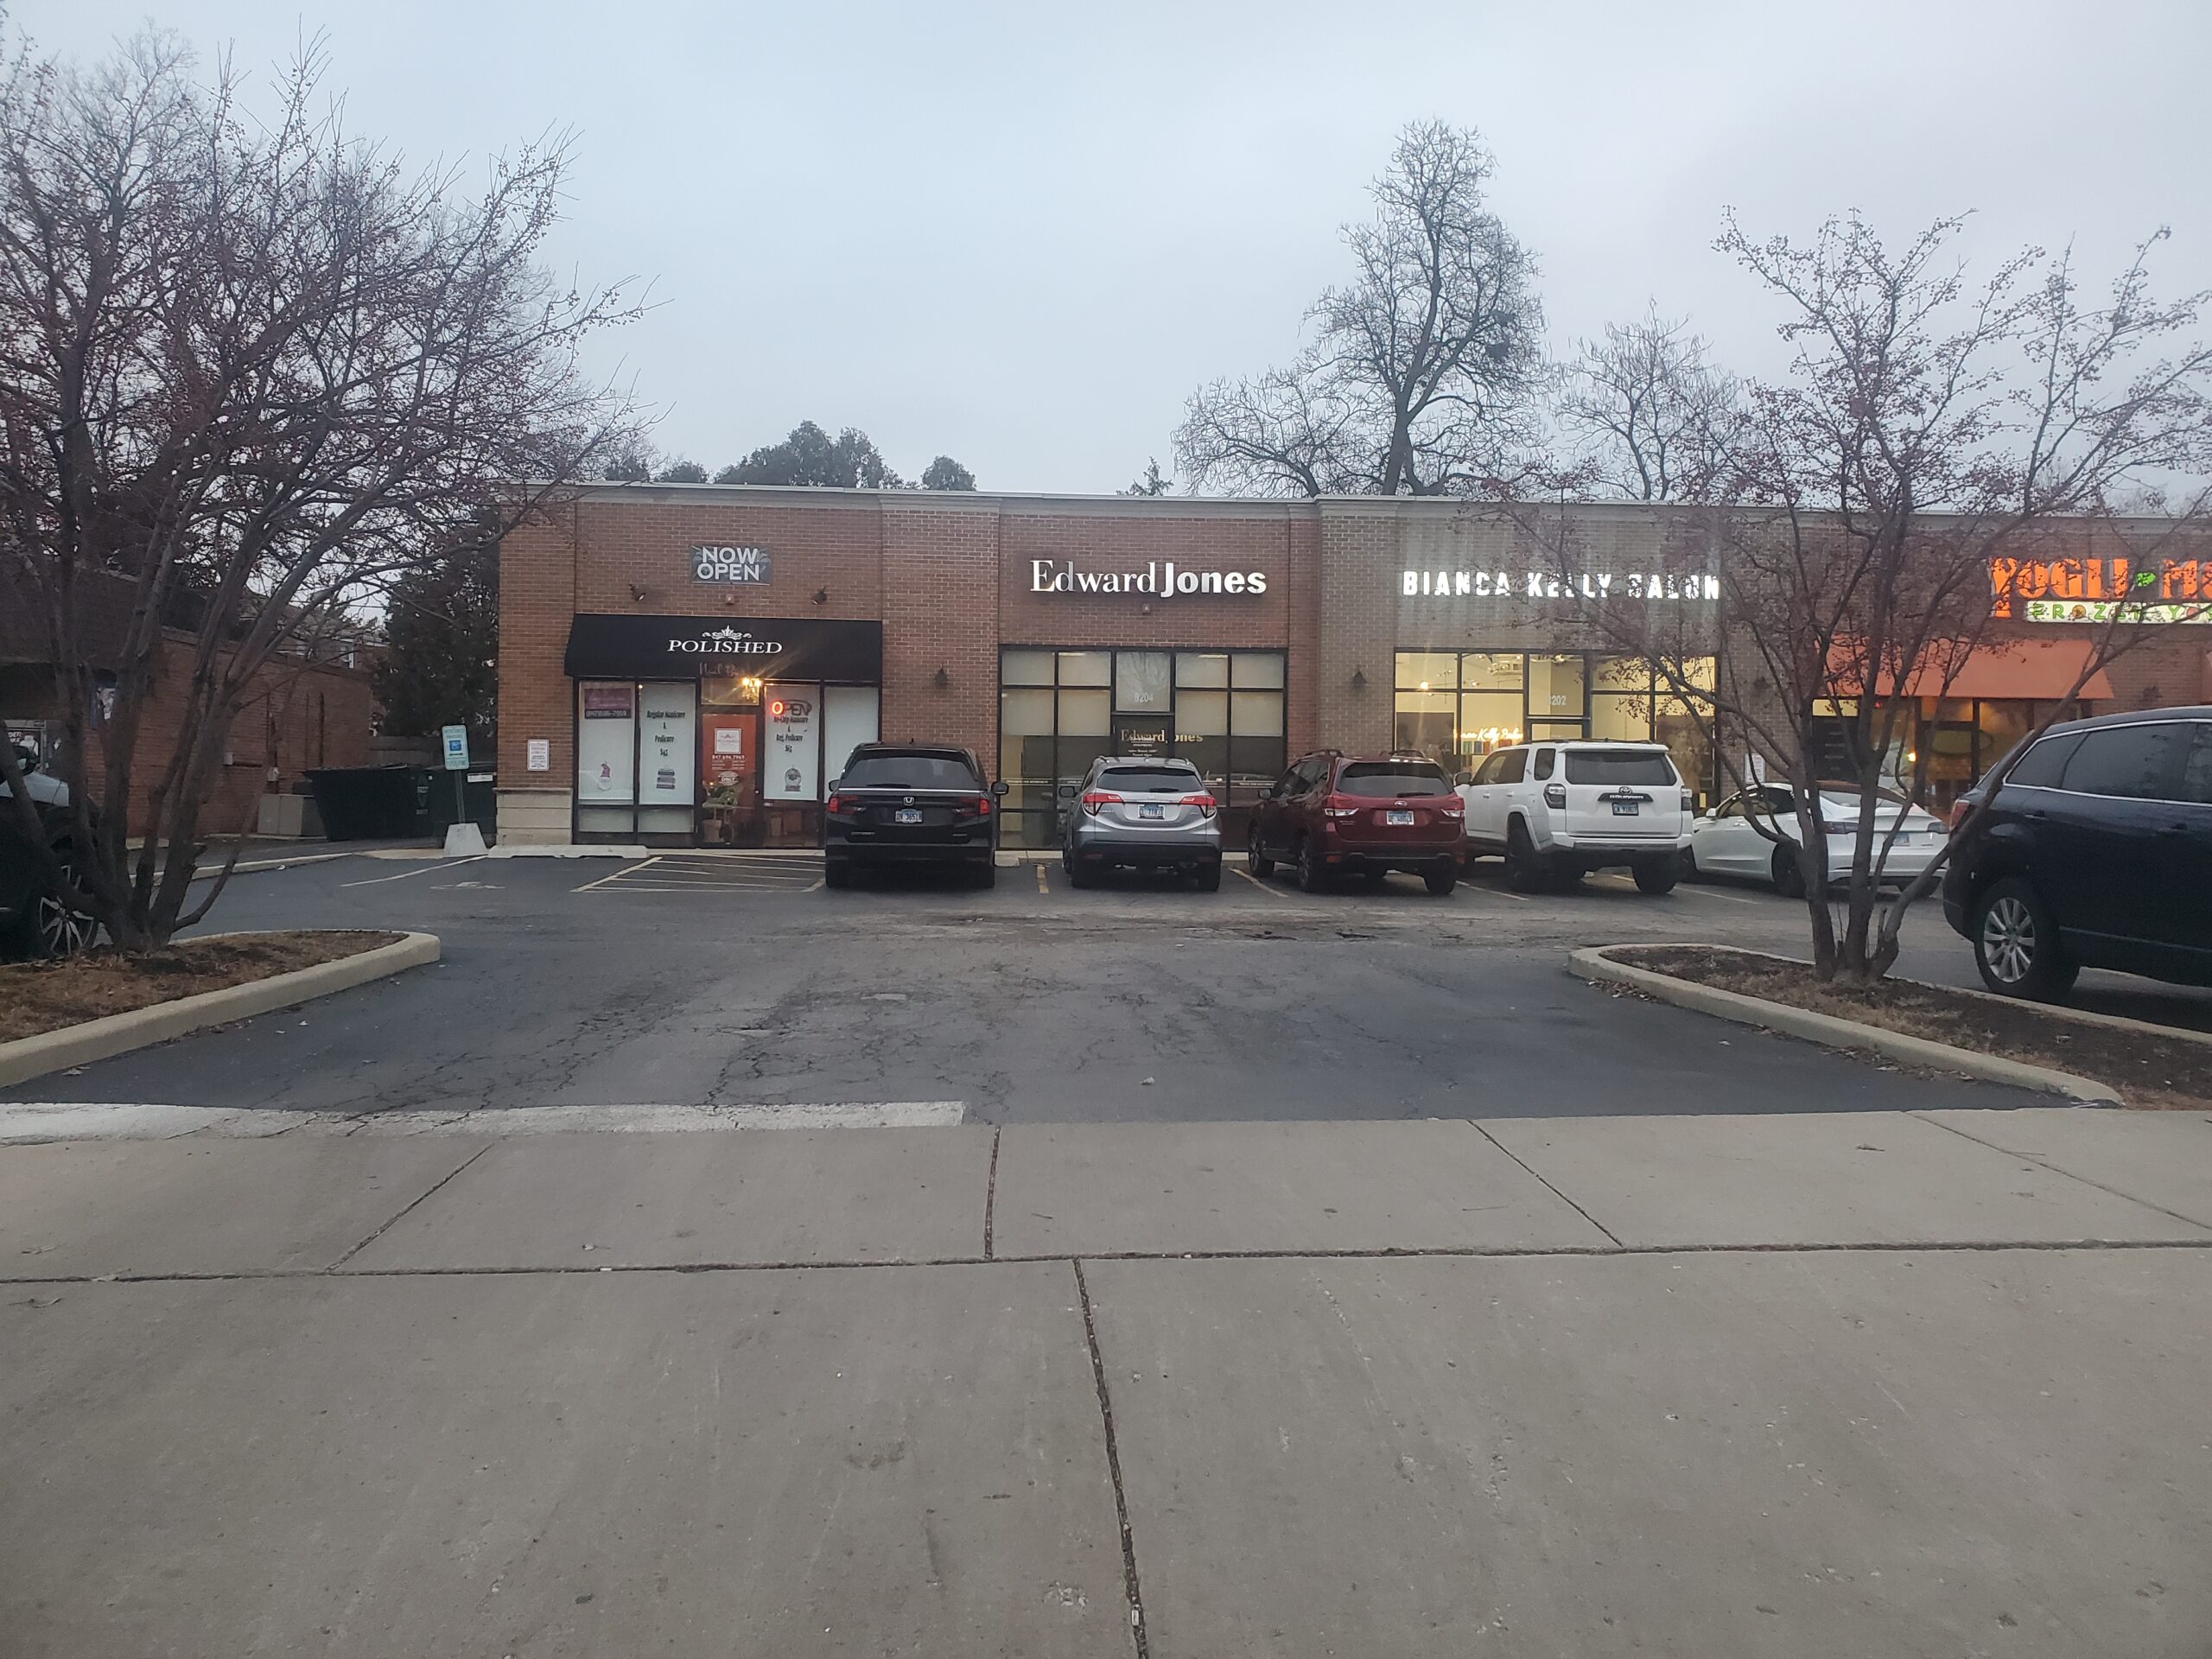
<point x="1148" y="811"/>
<point x="1397" y="818"/>
<point x="907" y="815"/>
<point x="1624" y="809"/>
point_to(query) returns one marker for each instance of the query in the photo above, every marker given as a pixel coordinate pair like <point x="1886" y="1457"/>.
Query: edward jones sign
<point x="1160" y="579"/>
<point x="729" y="563"/>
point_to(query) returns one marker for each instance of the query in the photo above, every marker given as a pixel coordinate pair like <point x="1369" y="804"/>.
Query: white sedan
<point x="1725" y="842"/>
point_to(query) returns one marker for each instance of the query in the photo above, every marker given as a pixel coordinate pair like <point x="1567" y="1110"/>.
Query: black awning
<point x="684" y="647"/>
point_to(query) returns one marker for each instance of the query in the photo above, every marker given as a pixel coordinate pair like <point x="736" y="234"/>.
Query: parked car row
<point x="2096" y="850"/>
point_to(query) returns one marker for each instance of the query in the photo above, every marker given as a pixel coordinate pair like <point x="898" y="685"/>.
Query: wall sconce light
<point x="1359" y="679"/>
<point x="943" y="679"/>
<point x="637" y="593"/>
<point x="822" y="595"/>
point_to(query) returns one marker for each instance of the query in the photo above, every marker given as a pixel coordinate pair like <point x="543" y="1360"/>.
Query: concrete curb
<point x="119" y="1033"/>
<point x="1829" y="1031"/>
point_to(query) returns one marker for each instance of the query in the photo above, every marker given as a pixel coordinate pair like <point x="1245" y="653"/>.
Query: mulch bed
<point x="2160" y="1073"/>
<point x="44" y="996"/>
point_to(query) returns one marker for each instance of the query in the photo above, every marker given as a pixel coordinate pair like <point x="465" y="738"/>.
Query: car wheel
<point x="983" y="875"/>
<point x="1209" y="877"/>
<point x="1378" y="880"/>
<point x="1310" y="876"/>
<point x="2016" y="945"/>
<point x="1522" y="872"/>
<point x="1081" y="874"/>
<point x="1657" y="875"/>
<point x="1788" y="880"/>
<point x="1440" y="882"/>
<point x="1255" y="861"/>
<point x="836" y="873"/>
<point x="56" y="930"/>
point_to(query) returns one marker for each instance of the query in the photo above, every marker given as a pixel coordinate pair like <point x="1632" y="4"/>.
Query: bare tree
<point x="1644" y="413"/>
<point x="1930" y="439"/>
<point x="250" y="369"/>
<point x="1421" y="374"/>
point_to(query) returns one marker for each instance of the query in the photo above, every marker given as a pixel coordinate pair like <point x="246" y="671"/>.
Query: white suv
<point x="1565" y="808"/>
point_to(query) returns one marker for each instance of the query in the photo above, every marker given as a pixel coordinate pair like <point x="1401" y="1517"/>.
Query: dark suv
<point x="909" y="803"/>
<point x="1333" y="814"/>
<point x="33" y="921"/>
<point x="2096" y="853"/>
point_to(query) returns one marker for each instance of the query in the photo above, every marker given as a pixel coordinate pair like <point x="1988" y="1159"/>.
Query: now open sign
<point x="729" y="563"/>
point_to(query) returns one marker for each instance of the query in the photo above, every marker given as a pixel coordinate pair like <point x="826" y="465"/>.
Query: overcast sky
<point x="1021" y="234"/>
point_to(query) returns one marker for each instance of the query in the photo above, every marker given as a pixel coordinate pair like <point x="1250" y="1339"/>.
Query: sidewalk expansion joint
<point x="1137" y="1631"/>
<point x="1412" y="1252"/>
<point x="1555" y="1191"/>
<point x="991" y="1192"/>
<point x="410" y="1205"/>
<point x="2059" y="1169"/>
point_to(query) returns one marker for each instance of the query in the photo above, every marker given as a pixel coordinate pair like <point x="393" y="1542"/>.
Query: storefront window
<point x="1428" y="670"/>
<point x="1200" y="669"/>
<point x="1509" y="697"/>
<point x="1427" y="723"/>
<point x="1060" y="710"/>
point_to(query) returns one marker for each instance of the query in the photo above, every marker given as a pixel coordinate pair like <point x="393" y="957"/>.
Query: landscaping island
<point x="2147" y="1067"/>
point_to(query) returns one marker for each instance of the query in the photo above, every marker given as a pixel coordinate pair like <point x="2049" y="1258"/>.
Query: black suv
<point x="2096" y="853"/>
<point x="34" y="922"/>
<point x="910" y="804"/>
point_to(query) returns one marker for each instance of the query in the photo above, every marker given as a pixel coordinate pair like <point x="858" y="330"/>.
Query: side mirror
<point x="1067" y="792"/>
<point x="998" y="791"/>
<point x="29" y="758"/>
<point x="1459" y="778"/>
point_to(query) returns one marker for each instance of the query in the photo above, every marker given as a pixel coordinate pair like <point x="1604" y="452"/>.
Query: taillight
<point x="1099" y="798"/>
<point x="1555" y="797"/>
<point x="1206" y="803"/>
<point x="1689" y="802"/>
<point x="834" y="805"/>
<point x="1341" y="806"/>
<point x="1453" y="808"/>
<point x="982" y="806"/>
<point x="1959" y="809"/>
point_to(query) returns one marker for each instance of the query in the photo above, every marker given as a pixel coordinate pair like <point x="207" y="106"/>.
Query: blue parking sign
<point x="456" y="748"/>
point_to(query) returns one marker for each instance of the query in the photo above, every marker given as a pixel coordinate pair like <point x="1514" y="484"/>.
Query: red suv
<point x="1334" y="815"/>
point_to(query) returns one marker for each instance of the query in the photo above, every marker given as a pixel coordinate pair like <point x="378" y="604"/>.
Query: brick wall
<point x="951" y="578"/>
<point x="301" y="716"/>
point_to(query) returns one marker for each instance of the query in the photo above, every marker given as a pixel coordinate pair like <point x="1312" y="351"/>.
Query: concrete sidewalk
<point x="1831" y="1384"/>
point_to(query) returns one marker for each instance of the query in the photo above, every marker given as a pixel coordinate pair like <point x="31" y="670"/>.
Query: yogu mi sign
<point x="1552" y="584"/>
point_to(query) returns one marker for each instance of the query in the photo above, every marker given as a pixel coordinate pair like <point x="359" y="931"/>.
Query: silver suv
<point x="1141" y="813"/>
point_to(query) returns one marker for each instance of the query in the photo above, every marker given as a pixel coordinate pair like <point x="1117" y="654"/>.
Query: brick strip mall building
<point x="691" y="664"/>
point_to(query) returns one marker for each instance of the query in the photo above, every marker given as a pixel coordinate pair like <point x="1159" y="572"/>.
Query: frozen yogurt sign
<point x="1680" y="586"/>
<point x="1160" y="579"/>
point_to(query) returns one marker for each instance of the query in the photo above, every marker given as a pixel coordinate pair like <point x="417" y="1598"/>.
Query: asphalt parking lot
<point x="697" y="978"/>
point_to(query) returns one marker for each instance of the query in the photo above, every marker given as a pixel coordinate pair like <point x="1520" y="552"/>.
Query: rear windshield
<point x="908" y="772"/>
<point x="1149" y="780"/>
<point x="1618" y="766"/>
<point x="1395" y="779"/>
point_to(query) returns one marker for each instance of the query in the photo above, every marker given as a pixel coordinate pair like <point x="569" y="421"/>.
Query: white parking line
<point x="1263" y="886"/>
<point x="427" y="869"/>
<point x="1725" y="898"/>
<point x="1043" y="885"/>
<point x="624" y="870"/>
